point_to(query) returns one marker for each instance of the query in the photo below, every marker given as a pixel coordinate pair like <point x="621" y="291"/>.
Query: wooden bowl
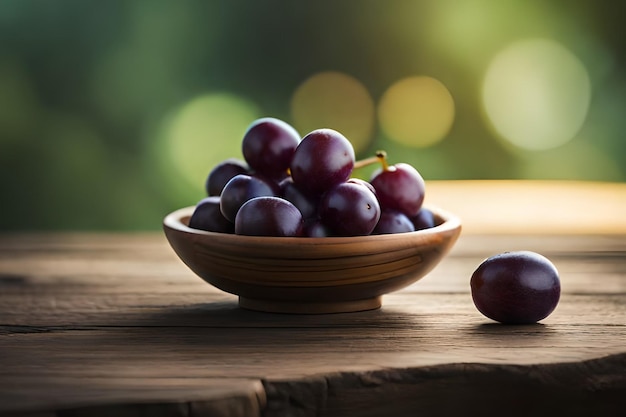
<point x="311" y="275"/>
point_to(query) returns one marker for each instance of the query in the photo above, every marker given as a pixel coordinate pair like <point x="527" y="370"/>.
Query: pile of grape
<point x="293" y="186"/>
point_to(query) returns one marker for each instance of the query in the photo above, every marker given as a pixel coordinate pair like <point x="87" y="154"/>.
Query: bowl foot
<point x="303" y="307"/>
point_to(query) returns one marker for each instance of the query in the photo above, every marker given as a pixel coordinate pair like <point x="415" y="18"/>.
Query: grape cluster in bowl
<point x="292" y="186"/>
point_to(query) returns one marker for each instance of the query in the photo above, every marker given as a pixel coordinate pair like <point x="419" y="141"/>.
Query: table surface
<point x="115" y="324"/>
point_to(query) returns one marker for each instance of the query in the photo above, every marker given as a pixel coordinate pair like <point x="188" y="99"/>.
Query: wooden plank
<point x="95" y="395"/>
<point x="278" y="355"/>
<point x="213" y="341"/>
<point x="467" y="389"/>
<point x="109" y="324"/>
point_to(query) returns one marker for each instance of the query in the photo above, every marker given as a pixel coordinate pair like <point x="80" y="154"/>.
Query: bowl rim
<point x="449" y="222"/>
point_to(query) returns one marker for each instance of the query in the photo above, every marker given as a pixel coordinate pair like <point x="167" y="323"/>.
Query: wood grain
<point x="467" y="389"/>
<point x="115" y="324"/>
<point x="97" y="395"/>
<point x="311" y="275"/>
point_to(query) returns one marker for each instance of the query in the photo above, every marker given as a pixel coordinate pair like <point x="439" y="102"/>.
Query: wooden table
<point x="114" y="324"/>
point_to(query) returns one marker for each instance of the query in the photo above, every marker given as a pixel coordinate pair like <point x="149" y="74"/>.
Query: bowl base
<point x="303" y="307"/>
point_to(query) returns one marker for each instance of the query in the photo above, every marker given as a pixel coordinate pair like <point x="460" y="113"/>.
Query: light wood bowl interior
<point x="311" y="275"/>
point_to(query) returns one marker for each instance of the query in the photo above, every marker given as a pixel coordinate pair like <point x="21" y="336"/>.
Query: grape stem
<point x="380" y="157"/>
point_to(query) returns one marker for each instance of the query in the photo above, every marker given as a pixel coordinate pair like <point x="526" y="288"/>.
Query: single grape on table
<point x="520" y="287"/>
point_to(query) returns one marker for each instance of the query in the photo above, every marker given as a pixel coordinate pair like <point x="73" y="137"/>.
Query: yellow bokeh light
<point x="416" y="111"/>
<point x="536" y="94"/>
<point x="338" y="101"/>
<point x="205" y="131"/>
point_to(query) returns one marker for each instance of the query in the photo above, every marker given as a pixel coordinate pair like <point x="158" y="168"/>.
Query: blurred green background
<point x="113" y="112"/>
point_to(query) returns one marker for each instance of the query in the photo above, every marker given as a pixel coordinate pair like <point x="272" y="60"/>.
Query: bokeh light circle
<point x="338" y="101"/>
<point x="536" y="94"/>
<point x="416" y="111"/>
<point x="205" y="131"/>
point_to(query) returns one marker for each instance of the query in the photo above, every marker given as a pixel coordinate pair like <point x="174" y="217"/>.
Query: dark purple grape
<point x="207" y="216"/>
<point x="323" y="159"/>
<point x="307" y="204"/>
<point x="425" y="219"/>
<point x="268" y="216"/>
<point x="242" y="188"/>
<point x="222" y="173"/>
<point x="268" y="146"/>
<point x="392" y="221"/>
<point x="315" y="228"/>
<point x="516" y="287"/>
<point x="399" y="187"/>
<point x="349" y="209"/>
<point x="363" y="183"/>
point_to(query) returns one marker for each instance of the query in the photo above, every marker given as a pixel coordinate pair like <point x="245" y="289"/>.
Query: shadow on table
<point x="514" y="336"/>
<point x="499" y="328"/>
<point x="227" y="314"/>
<point x="235" y="335"/>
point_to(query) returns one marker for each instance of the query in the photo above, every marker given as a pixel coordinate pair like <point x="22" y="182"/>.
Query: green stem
<point x="381" y="157"/>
